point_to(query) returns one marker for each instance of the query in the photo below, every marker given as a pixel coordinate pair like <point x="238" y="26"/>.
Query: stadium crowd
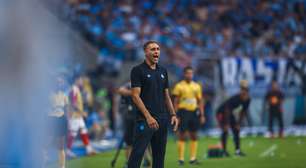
<point x="190" y="29"/>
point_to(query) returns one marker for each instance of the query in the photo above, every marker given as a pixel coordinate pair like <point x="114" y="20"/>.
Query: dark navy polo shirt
<point x="153" y="83"/>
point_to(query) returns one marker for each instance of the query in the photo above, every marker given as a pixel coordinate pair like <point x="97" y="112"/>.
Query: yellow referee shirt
<point x="187" y="94"/>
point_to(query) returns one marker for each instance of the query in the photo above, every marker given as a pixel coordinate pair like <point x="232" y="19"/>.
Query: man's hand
<point x="202" y="119"/>
<point x="174" y="122"/>
<point x="152" y="123"/>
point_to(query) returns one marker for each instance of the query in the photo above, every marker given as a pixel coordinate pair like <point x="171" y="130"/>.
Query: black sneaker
<point x="181" y="162"/>
<point x="239" y="153"/>
<point x="194" y="162"/>
<point x="226" y="154"/>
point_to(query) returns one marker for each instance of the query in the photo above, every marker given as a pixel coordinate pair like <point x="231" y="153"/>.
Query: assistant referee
<point x="188" y="102"/>
<point x="150" y="93"/>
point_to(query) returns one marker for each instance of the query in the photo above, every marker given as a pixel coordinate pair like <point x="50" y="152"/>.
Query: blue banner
<point x="259" y="73"/>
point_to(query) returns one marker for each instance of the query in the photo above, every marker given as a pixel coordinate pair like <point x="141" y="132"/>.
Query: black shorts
<point x="129" y="132"/>
<point x="189" y="120"/>
<point x="57" y="126"/>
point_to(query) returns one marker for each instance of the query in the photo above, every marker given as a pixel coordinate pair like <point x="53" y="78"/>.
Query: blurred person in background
<point x="231" y="114"/>
<point x="57" y="121"/>
<point x="188" y="102"/>
<point x="274" y="100"/>
<point x="96" y="121"/>
<point x="127" y="109"/>
<point x="87" y="94"/>
<point x="76" y="119"/>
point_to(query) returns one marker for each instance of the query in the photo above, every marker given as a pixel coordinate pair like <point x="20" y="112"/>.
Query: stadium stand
<point x="193" y="28"/>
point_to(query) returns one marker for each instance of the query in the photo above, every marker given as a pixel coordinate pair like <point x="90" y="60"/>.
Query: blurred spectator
<point x="274" y="99"/>
<point x="76" y="119"/>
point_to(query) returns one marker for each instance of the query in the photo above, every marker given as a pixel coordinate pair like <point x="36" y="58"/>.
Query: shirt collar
<point x="145" y="63"/>
<point x="187" y="82"/>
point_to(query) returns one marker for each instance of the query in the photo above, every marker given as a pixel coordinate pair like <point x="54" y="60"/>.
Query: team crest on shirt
<point x="148" y="75"/>
<point x="162" y="76"/>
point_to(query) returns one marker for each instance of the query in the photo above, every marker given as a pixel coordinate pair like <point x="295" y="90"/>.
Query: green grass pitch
<point x="289" y="152"/>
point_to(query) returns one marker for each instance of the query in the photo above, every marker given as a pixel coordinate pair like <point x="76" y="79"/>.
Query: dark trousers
<point x="225" y="121"/>
<point x="145" y="135"/>
<point x="275" y="113"/>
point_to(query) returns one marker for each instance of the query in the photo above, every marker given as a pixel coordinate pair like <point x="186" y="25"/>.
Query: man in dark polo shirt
<point x="150" y="94"/>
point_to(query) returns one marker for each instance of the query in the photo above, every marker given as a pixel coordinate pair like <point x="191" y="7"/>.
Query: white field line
<point x="270" y="150"/>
